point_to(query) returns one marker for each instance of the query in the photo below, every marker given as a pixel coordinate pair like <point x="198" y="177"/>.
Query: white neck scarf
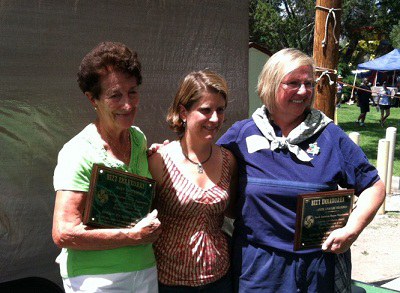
<point x="314" y="123"/>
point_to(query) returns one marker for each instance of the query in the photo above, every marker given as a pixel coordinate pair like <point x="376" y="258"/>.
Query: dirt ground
<point x="376" y="252"/>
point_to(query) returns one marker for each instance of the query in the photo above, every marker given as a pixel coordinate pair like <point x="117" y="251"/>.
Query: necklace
<point x="200" y="168"/>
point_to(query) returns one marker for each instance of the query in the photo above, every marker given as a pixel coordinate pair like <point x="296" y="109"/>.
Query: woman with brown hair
<point x="95" y="259"/>
<point x="196" y="180"/>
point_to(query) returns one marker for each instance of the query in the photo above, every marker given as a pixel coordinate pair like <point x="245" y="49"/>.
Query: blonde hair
<point x="190" y="91"/>
<point x="275" y="69"/>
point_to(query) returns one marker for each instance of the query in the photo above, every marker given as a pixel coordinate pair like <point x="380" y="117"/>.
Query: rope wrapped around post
<point x="331" y="11"/>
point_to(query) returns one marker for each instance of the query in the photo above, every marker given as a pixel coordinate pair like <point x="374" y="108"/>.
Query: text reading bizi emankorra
<point x="325" y="201"/>
<point x="126" y="181"/>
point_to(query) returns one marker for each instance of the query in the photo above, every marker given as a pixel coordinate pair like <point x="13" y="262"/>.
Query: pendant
<point x="200" y="169"/>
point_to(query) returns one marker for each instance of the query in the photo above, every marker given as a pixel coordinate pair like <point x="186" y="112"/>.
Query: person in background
<point x="384" y="103"/>
<point x="285" y="149"/>
<point x="364" y="95"/>
<point x="95" y="259"/>
<point x="196" y="186"/>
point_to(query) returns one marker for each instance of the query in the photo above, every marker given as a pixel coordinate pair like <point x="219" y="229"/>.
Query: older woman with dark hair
<point x="94" y="259"/>
<point x="288" y="148"/>
<point x="196" y="181"/>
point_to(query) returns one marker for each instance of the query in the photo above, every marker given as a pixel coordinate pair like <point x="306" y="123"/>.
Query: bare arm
<point x="70" y="232"/>
<point x="368" y="204"/>
<point x="379" y="98"/>
<point x="156" y="164"/>
<point x="372" y="100"/>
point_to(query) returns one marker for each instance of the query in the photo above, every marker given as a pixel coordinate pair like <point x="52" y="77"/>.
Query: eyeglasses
<point x="294" y="85"/>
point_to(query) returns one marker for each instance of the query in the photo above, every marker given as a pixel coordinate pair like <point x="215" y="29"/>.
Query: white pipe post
<point x="391" y="137"/>
<point x="355" y="137"/>
<point x="381" y="165"/>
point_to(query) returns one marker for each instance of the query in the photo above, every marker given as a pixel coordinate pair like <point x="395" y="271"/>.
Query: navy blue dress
<point x="269" y="182"/>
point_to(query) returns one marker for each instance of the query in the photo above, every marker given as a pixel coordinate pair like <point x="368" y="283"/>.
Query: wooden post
<point x="394" y="78"/>
<point x="326" y="55"/>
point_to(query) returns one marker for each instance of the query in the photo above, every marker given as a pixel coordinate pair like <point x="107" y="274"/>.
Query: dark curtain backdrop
<point x="41" y="107"/>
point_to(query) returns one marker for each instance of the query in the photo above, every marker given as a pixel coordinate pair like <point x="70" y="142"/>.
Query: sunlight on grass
<point x="372" y="132"/>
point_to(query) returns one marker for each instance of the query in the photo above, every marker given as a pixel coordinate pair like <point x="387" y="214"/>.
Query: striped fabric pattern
<point x="192" y="249"/>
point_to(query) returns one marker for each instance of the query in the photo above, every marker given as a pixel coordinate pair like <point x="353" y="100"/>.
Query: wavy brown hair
<point x="190" y="91"/>
<point x="104" y="58"/>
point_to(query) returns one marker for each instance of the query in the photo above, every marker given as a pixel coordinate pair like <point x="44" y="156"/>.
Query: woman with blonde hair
<point x="285" y="149"/>
<point x="196" y="181"/>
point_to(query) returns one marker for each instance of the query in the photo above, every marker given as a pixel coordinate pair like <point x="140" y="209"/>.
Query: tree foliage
<point x="366" y="26"/>
<point x="395" y="35"/>
<point x="369" y="28"/>
<point x="282" y="24"/>
<point x="356" y="24"/>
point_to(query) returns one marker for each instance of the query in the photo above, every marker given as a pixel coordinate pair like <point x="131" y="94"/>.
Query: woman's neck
<point x="285" y="123"/>
<point x="117" y="143"/>
<point x="116" y="136"/>
<point x="195" y="149"/>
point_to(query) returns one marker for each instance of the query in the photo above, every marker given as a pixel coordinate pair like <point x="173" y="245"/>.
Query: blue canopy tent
<point x="388" y="62"/>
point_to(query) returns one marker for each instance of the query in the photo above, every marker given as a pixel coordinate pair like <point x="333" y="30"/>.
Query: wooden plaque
<point x="318" y="214"/>
<point x="117" y="199"/>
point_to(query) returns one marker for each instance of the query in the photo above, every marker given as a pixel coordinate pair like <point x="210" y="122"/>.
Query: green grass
<point x="372" y="132"/>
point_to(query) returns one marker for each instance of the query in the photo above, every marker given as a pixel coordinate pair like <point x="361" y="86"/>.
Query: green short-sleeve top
<point x="73" y="171"/>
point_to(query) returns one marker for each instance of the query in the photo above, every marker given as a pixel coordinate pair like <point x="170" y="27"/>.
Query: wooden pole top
<point x="326" y="53"/>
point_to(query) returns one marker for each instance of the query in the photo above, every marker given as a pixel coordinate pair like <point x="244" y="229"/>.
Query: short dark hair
<point x="106" y="57"/>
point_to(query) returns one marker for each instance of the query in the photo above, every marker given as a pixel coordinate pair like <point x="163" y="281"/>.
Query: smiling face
<point x="292" y="101"/>
<point x="118" y="101"/>
<point x="205" y="118"/>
